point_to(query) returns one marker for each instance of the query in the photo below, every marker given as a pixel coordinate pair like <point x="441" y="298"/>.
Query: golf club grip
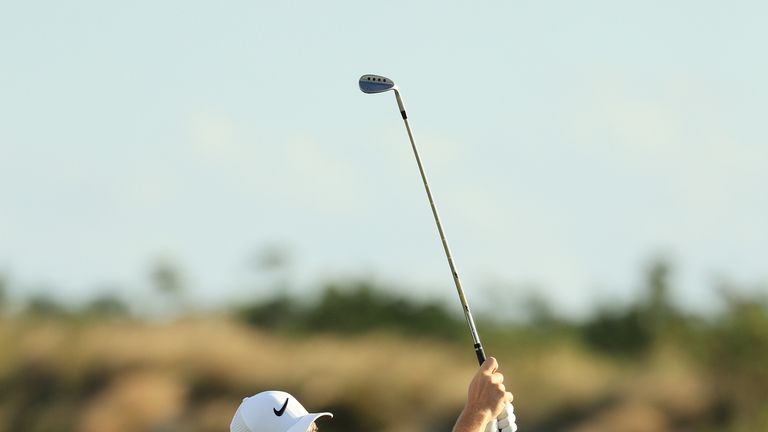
<point x="480" y="353"/>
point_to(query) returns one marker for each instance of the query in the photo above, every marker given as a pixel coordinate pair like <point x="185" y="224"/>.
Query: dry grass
<point x="190" y="375"/>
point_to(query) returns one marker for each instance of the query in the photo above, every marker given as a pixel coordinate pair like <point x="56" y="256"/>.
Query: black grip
<point x="480" y="353"/>
<point x="402" y="113"/>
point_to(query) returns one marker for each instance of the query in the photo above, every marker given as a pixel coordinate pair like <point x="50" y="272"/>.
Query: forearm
<point x="471" y="421"/>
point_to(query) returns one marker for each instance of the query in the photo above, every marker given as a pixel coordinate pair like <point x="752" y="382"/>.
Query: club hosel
<point x="400" y="104"/>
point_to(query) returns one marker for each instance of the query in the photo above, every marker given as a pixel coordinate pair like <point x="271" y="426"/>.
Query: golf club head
<point x="376" y="84"/>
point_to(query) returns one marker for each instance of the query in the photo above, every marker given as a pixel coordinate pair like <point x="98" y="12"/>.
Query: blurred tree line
<point x="359" y="306"/>
<point x="731" y="345"/>
<point x="353" y="307"/>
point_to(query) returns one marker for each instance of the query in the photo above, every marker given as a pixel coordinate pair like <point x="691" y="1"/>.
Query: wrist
<point x="472" y="420"/>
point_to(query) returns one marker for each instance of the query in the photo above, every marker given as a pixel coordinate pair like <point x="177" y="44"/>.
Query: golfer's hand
<point x="487" y="394"/>
<point x="486" y="398"/>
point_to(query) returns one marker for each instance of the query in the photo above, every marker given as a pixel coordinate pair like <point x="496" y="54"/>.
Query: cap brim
<point x="303" y="424"/>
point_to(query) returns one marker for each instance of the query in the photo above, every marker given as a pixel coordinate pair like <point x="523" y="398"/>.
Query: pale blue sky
<point x="567" y="143"/>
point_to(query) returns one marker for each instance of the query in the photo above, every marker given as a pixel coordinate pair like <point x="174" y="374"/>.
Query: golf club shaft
<point x="467" y="313"/>
<point x="506" y="420"/>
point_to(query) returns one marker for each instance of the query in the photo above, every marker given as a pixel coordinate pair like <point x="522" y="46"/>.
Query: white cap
<point x="272" y="411"/>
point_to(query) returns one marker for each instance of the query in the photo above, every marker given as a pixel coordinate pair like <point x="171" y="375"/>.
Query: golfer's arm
<point x="470" y="421"/>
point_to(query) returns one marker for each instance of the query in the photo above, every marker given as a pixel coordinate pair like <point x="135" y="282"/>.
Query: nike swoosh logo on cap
<point x="281" y="410"/>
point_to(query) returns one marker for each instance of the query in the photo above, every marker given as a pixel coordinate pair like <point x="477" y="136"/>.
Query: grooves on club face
<point x="375" y="84"/>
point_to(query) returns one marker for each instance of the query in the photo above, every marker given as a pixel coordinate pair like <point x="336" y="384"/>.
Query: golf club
<point x="378" y="84"/>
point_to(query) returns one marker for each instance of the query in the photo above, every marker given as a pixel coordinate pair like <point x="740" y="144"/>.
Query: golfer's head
<point x="273" y="411"/>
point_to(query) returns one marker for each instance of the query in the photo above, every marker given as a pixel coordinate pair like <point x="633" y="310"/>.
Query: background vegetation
<point x="380" y="361"/>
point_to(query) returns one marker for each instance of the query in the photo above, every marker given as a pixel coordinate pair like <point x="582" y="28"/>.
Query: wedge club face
<point x="371" y="84"/>
<point x="376" y="84"/>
